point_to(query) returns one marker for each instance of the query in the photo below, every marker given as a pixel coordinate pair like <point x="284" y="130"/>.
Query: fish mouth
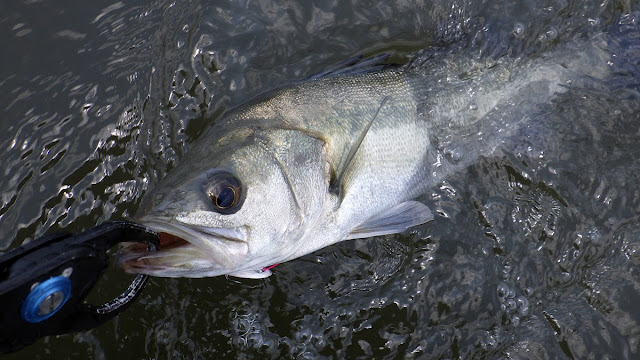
<point x="185" y="250"/>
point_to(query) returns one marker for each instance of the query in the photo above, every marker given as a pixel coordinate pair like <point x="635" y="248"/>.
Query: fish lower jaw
<point x="184" y="261"/>
<point x="193" y="269"/>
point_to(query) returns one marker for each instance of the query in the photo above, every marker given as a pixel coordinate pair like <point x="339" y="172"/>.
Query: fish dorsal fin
<point x="395" y="220"/>
<point x="336" y="185"/>
<point x="356" y="65"/>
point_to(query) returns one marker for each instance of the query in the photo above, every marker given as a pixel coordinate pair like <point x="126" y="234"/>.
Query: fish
<point x="348" y="154"/>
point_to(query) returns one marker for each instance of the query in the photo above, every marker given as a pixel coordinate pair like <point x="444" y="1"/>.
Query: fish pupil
<point x="225" y="198"/>
<point x="224" y="190"/>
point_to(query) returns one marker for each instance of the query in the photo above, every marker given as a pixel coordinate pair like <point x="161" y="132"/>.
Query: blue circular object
<point x="46" y="299"/>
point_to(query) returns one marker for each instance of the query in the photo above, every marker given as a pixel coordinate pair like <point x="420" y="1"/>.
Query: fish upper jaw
<point x="188" y="251"/>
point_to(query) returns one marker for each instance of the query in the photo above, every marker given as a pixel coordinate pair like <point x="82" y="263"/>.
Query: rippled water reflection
<point x="534" y="252"/>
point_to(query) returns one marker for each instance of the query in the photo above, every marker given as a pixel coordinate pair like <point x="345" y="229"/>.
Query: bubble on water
<point x="552" y="33"/>
<point x="519" y="29"/>
<point x="514" y="307"/>
<point x="492" y="338"/>
<point x="473" y="106"/>
<point x="490" y="341"/>
<point x="523" y="305"/>
<point x="528" y="291"/>
<point x="594" y="234"/>
<point x="303" y="335"/>
<point x="453" y="154"/>
<point x="254" y="340"/>
<point x="502" y="290"/>
<point x="247" y="329"/>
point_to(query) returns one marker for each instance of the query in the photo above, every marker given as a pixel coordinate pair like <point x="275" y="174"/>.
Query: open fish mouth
<point x="185" y="251"/>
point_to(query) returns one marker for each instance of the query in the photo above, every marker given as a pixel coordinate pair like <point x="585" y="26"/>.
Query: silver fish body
<point x="337" y="158"/>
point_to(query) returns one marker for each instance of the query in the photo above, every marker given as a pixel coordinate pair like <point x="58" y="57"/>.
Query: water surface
<point x="534" y="251"/>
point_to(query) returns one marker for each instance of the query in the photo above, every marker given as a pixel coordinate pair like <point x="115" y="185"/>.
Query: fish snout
<point x="169" y="202"/>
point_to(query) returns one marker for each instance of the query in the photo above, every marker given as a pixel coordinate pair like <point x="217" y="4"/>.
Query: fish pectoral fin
<point x="252" y="274"/>
<point x="395" y="220"/>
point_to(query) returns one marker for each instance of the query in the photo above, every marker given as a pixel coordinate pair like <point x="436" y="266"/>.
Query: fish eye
<point x="225" y="199"/>
<point x="225" y="192"/>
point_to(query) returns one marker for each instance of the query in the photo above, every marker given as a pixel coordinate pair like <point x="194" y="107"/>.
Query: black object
<point x="43" y="284"/>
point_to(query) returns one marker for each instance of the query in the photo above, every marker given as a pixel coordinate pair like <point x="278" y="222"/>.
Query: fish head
<point x="242" y="214"/>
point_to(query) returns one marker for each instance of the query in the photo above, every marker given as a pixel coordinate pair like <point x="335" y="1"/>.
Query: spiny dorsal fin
<point x="395" y="220"/>
<point x="356" y="65"/>
<point x="336" y="186"/>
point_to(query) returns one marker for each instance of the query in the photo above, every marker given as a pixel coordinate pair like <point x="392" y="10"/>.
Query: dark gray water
<point x="534" y="252"/>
